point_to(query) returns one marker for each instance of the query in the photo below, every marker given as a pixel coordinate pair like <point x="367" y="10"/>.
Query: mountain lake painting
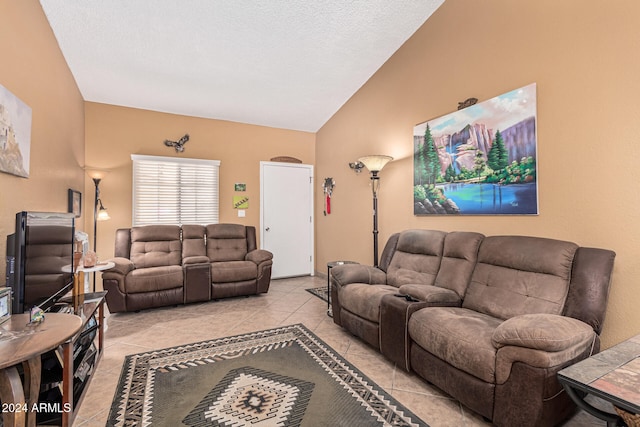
<point x="480" y="160"/>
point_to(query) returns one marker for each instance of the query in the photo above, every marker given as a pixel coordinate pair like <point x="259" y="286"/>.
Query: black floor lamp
<point x="375" y="164"/>
<point x="99" y="214"/>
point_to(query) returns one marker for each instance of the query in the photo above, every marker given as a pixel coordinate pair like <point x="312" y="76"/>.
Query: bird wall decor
<point x="467" y="103"/>
<point x="179" y="144"/>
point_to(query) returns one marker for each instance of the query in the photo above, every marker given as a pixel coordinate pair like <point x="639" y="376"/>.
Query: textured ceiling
<point x="281" y="63"/>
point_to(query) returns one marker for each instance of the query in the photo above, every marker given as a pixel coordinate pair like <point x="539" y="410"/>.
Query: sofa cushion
<point x="459" y="257"/>
<point x="226" y="231"/>
<point x="547" y="332"/>
<point x="226" y="242"/>
<point x="417" y="258"/>
<point x="458" y="336"/>
<point x="233" y="271"/>
<point x="153" y="279"/>
<point x="518" y="275"/>
<point x="364" y="300"/>
<point x="193" y="241"/>
<point x="156" y="246"/>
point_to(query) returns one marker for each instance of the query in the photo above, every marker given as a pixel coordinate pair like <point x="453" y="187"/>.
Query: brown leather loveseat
<point x="161" y="265"/>
<point x="489" y="320"/>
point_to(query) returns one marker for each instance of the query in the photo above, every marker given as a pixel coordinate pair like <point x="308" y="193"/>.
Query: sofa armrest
<point x="432" y="294"/>
<point x="197" y="278"/>
<point x="259" y="256"/>
<point x="345" y="274"/>
<point x="547" y="332"/>
<point x="122" y="266"/>
<point x="197" y="259"/>
<point x="542" y="341"/>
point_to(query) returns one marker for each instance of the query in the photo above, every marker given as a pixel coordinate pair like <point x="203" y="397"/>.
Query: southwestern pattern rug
<point x="279" y="377"/>
<point x="320" y="293"/>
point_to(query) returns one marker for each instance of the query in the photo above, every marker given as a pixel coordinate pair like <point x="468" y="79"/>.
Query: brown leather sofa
<point x="161" y="265"/>
<point x="489" y="320"/>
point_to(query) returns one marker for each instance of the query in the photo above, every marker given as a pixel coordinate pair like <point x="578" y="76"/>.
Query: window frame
<point x="192" y="170"/>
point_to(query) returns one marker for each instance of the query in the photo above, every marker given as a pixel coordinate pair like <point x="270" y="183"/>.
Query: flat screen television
<point x="40" y="259"/>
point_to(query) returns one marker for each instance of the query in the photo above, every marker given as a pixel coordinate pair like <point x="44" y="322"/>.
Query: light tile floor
<point x="287" y="302"/>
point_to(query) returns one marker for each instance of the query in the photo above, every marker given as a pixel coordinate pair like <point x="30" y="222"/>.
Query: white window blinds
<point x="168" y="190"/>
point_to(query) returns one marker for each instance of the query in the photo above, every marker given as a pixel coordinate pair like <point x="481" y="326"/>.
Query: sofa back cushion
<point x="459" y="257"/>
<point x="520" y="275"/>
<point x="193" y="241"/>
<point x="226" y="242"/>
<point x="388" y="251"/>
<point x="156" y="246"/>
<point x="417" y="258"/>
<point x="123" y="243"/>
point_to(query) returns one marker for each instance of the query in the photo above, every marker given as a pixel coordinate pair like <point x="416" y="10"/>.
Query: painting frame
<point x="15" y="134"/>
<point x="74" y="202"/>
<point x="240" y="202"/>
<point x="479" y="160"/>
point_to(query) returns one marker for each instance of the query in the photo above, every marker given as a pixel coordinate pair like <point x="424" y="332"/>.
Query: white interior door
<point x="286" y="217"/>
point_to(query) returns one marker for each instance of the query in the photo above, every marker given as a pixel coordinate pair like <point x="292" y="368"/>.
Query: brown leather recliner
<point x="431" y="265"/>
<point x="533" y="306"/>
<point x="238" y="267"/>
<point x="162" y="265"/>
<point x="490" y="320"/>
<point x="148" y="269"/>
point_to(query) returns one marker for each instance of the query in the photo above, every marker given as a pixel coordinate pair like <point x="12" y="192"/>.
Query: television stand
<point x="67" y="371"/>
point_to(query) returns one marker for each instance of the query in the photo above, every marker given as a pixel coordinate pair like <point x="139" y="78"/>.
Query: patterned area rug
<point x="279" y="377"/>
<point x="320" y="293"/>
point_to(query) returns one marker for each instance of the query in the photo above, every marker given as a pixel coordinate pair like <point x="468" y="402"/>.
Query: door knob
<point x="267" y="229"/>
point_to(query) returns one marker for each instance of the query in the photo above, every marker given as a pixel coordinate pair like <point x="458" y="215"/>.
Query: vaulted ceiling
<point x="280" y="63"/>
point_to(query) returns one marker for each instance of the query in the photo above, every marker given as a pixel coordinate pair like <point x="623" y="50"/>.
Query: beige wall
<point x="33" y="69"/>
<point x="583" y="55"/>
<point x="114" y="133"/>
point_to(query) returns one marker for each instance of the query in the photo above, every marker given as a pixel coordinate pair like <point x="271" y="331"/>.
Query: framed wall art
<point x="480" y="160"/>
<point x="15" y="134"/>
<point x="75" y="202"/>
<point x="240" y="202"/>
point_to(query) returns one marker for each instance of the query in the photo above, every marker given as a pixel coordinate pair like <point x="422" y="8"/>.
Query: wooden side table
<point x="24" y="343"/>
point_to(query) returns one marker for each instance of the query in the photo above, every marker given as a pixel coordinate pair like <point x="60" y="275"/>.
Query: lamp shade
<point x="96" y="173"/>
<point x="103" y="215"/>
<point x="375" y="163"/>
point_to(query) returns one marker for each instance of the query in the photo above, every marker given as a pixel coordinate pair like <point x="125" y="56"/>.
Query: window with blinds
<point x="168" y="190"/>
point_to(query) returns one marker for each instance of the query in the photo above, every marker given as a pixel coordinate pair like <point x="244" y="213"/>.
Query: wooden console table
<point x="612" y="375"/>
<point x="24" y="343"/>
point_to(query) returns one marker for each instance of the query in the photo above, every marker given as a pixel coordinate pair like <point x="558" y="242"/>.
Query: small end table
<point x="612" y="375"/>
<point x="101" y="266"/>
<point x="330" y="265"/>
